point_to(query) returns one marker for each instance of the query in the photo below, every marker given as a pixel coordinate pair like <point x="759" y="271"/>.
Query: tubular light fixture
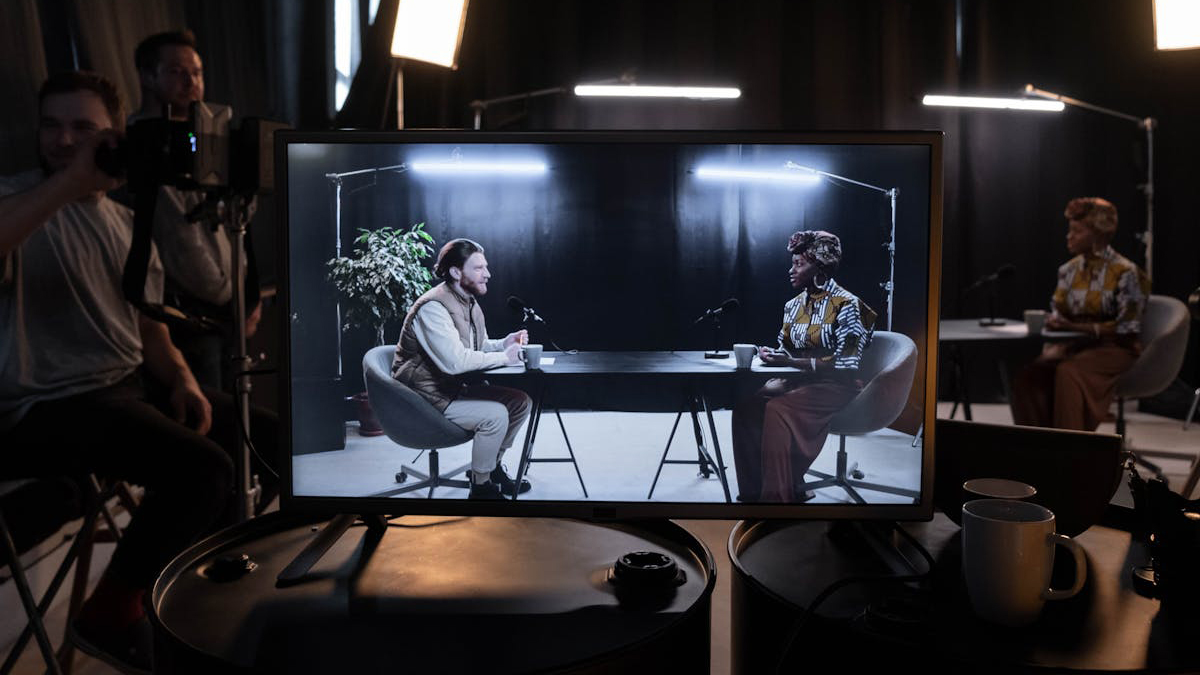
<point x="656" y="91"/>
<point x="1176" y="24"/>
<point x="992" y="102"/>
<point x="782" y="175"/>
<point x="498" y="168"/>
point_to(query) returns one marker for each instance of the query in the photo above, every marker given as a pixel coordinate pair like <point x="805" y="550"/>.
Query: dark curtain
<point x="20" y="42"/>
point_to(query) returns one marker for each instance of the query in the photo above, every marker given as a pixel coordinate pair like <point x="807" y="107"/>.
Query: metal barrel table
<point x="439" y="594"/>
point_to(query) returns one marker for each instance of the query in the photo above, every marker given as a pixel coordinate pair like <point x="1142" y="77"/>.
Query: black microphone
<point x="1003" y="272"/>
<point x="726" y="307"/>
<point x="519" y="305"/>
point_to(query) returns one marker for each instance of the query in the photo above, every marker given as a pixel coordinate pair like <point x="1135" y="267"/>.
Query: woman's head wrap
<point x="823" y="248"/>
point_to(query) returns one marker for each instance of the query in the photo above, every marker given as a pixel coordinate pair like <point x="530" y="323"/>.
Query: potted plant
<point x="377" y="284"/>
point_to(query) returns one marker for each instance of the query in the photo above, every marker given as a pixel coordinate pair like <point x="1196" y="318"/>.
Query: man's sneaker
<point x="507" y="485"/>
<point x="487" y="490"/>
<point x="129" y="650"/>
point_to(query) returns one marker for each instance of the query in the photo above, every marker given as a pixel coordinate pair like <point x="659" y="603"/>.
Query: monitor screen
<point x="623" y="324"/>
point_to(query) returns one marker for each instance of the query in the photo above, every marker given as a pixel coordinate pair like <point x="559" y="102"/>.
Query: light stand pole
<point x="248" y="486"/>
<point x="1147" y="124"/>
<point x="480" y="106"/>
<point x="888" y="286"/>
<point x="335" y="179"/>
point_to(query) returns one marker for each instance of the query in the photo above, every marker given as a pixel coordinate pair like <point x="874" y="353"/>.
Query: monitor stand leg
<point x="329" y="535"/>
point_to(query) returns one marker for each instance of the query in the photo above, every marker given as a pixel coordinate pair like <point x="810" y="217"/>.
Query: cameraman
<point x="87" y="383"/>
<point x="195" y="255"/>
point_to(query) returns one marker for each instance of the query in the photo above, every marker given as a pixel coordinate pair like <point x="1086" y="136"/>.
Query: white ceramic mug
<point x="1035" y="320"/>
<point x="744" y="354"/>
<point x="532" y="356"/>
<point x="1008" y="555"/>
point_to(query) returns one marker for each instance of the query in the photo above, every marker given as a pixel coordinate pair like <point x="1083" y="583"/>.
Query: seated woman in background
<point x="1102" y="295"/>
<point x="779" y="431"/>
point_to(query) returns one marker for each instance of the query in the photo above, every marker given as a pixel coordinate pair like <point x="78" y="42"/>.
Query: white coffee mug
<point x="532" y="356"/>
<point x="1008" y="555"/>
<point x="744" y="354"/>
<point x="1035" y="320"/>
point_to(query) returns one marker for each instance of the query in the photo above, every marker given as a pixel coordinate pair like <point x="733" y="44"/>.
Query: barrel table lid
<point x="449" y="586"/>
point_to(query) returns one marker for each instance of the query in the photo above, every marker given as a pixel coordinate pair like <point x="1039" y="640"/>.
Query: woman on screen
<point x="779" y="431"/>
<point x="1101" y="295"/>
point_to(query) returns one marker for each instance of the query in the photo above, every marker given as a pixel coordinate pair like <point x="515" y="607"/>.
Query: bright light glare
<point x="1001" y="103"/>
<point x="768" y="175"/>
<point x="429" y="30"/>
<point x="1177" y="24"/>
<point x="648" y="91"/>
<point x="477" y="168"/>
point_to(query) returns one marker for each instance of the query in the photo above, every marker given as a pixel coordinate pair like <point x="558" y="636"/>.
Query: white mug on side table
<point x="744" y="354"/>
<point x="1008" y="555"/>
<point x="532" y="356"/>
<point x="1035" y="320"/>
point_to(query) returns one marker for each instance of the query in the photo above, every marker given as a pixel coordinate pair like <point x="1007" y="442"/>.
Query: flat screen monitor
<point x="642" y="264"/>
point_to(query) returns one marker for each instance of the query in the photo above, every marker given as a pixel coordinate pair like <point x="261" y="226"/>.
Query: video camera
<point x="203" y="152"/>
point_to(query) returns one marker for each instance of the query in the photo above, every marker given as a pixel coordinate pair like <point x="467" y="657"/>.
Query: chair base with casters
<point x="847" y="478"/>
<point x="430" y="480"/>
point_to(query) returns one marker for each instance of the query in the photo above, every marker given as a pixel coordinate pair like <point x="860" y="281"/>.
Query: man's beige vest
<point x="412" y="365"/>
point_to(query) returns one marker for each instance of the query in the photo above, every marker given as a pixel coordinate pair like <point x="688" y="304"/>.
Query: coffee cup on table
<point x="1008" y="555"/>
<point x="744" y="354"/>
<point x="1035" y="320"/>
<point x="532" y="356"/>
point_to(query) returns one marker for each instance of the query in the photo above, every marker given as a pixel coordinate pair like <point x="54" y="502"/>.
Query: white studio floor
<point x="618" y="454"/>
<point x="1144" y="430"/>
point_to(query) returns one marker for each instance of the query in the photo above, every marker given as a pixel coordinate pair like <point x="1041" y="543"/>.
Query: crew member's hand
<point x="513" y="353"/>
<point x="518" y="338"/>
<point x="252" y="320"/>
<point x="190" y="406"/>
<point x="83" y="171"/>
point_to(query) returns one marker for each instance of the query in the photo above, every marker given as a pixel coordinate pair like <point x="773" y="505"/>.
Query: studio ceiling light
<point x="993" y="102"/>
<point x="656" y="91"/>
<point x="782" y="175"/>
<point x="512" y="168"/>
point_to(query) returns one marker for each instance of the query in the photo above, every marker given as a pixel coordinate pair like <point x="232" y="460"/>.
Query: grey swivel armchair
<point x="412" y="422"/>
<point x="1165" y="325"/>
<point x="888" y="366"/>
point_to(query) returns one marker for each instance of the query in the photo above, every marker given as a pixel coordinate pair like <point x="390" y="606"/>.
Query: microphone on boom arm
<point x="989" y="280"/>
<point x="527" y="312"/>
<point x="715" y="314"/>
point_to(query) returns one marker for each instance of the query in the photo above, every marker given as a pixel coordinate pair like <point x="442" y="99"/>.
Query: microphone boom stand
<point x="716" y="353"/>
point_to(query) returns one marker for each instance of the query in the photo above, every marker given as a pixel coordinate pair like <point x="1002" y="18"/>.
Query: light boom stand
<point x="889" y="285"/>
<point x="335" y="179"/>
<point x="1147" y="124"/>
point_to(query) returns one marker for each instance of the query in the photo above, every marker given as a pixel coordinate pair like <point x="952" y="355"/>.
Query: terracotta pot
<point x="368" y="424"/>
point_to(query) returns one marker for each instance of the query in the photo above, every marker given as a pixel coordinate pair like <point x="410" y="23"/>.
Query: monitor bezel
<point x="603" y="510"/>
